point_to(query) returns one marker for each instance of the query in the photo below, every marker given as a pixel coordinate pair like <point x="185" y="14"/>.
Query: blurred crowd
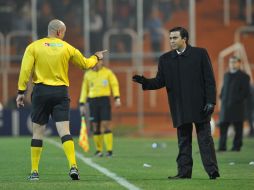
<point x="15" y="15"/>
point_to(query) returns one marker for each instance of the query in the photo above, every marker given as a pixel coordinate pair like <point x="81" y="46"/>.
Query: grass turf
<point x="130" y="155"/>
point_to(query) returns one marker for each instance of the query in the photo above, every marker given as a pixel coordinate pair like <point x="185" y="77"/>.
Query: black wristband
<point x="81" y="104"/>
<point x="97" y="57"/>
<point x="116" y="97"/>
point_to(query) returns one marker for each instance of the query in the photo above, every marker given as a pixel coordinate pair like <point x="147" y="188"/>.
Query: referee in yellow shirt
<point x="47" y="60"/>
<point x="96" y="90"/>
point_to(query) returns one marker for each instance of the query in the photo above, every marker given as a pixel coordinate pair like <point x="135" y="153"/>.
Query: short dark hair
<point x="183" y="32"/>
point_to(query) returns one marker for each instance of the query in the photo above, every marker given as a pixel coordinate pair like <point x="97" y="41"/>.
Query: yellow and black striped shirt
<point x="48" y="59"/>
<point x="99" y="83"/>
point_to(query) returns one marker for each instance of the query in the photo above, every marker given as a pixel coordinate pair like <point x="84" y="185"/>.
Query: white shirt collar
<point x="180" y="52"/>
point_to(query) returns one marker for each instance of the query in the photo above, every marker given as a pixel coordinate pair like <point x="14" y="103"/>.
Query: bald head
<point x="56" y="28"/>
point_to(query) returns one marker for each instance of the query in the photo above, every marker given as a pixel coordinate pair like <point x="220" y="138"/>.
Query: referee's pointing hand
<point x="99" y="54"/>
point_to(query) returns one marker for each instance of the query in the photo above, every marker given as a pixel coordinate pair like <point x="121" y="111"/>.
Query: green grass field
<point x="130" y="154"/>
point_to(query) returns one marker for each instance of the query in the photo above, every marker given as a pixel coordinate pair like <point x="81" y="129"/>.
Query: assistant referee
<point x="47" y="60"/>
<point x="97" y="86"/>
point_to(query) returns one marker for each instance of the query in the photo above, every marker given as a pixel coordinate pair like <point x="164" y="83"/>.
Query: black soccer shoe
<point x="98" y="154"/>
<point x="74" y="173"/>
<point x="109" y="154"/>
<point x="33" y="176"/>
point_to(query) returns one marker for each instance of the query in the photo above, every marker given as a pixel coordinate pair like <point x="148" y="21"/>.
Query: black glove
<point x="208" y="109"/>
<point x="138" y="79"/>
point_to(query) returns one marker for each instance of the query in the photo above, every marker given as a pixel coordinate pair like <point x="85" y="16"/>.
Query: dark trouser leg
<point x="238" y="139"/>
<point x="206" y="147"/>
<point x="223" y="136"/>
<point x="251" y="133"/>
<point x="184" y="158"/>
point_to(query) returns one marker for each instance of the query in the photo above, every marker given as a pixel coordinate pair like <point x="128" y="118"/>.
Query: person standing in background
<point x="234" y="93"/>
<point x="154" y="26"/>
<point x="96" y="90"/>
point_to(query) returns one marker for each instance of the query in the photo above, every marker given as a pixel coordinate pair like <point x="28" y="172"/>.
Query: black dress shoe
<point x="179" y="176"/>
<point x="214" y="175"/>
<point x="235" y="149"/>
<point x="221" y="150"/>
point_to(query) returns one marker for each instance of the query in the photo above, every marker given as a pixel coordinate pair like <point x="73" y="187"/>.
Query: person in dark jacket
<point x="235" y="90"/>
<point x="249" y="111"/>
<point x="187" y="74"/>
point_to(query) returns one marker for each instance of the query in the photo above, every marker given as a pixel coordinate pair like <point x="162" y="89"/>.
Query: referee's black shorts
<point x="100" y="109"/>
<point x="50" y="100"/>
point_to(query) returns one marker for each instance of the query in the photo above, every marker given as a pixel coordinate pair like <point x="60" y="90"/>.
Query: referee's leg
<point x="36" y="146"/>
<point x="60" y="114"/>
<point x="68" y="146"/>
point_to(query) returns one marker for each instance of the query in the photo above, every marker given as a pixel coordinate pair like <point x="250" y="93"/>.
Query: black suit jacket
<point x="235" y="90"/>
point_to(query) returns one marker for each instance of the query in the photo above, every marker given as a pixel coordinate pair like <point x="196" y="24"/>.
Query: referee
<point x="47" y="60"/>
<point x="98" y="85"/>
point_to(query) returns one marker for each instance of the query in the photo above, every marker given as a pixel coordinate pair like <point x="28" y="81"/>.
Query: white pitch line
<point x="123" y="182"/>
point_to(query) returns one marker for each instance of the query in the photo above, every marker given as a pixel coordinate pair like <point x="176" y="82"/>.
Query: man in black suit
<point x="235" y="90"/>
<point x="187" y="74"/>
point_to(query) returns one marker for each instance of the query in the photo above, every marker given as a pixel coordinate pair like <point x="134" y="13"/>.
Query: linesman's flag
<point x="83" y="138"/>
